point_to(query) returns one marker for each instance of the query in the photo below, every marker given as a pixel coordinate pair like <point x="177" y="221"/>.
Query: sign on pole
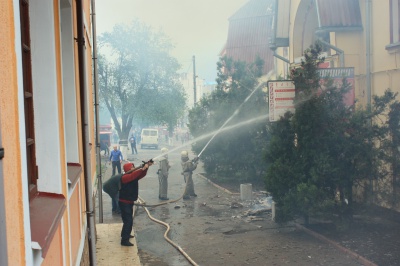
<point x="281" y="96"/>
<point x="338" y="74"/>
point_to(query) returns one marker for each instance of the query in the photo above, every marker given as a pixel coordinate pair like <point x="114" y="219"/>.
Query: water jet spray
<point x="230" y="118"/>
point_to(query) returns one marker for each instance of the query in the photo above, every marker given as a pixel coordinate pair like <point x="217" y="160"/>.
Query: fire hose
<point x="166" y="232"/>
<point x="142" y="203"/>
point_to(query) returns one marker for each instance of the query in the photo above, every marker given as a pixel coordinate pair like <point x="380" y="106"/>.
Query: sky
<point x="196" y="27"/>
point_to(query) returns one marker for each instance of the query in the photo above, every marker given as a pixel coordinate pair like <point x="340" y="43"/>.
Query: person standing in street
<point x="187" y="171"/>
<point x="163" y="175"/>
<point x="128" y="194"/>
<point x="132" y="140"/>
<point x="116" y="159"/>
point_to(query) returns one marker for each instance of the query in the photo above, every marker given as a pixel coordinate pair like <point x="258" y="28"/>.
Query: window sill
<point x="393" y="46"/>
<point x="46" y="211"/>
<point x="74" y="171"/>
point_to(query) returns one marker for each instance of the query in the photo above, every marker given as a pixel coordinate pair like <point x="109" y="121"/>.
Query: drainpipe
<point x="368" y="75"/>
<point x="96" y="108"/>
<point x="272" y="44"/>
<point x="85" y="132"/>
<point x="339" y="51"/>
<point x="368" y="48"/>
<point x="281" y="57"/>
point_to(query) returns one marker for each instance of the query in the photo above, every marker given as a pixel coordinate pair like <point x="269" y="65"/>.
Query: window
<point x="394" y="21"/>
<point x="32" y="170"/>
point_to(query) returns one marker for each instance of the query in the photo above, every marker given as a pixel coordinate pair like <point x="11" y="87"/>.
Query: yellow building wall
<point x="294" y="5"/>
<point x="380" y="37"/>
<point x="386" y="63"/>
<point x="10" y="136"/>
<point x="353" y="45"/>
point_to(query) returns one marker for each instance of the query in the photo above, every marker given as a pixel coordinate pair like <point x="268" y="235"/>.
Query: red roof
<point x="339" y="14"/>
<point x="249" y="31"/>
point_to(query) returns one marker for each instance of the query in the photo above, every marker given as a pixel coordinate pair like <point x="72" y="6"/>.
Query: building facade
<point x="187" y="82"/>
<point x="360" y="34"/>
<point x="249" y="33"/>
<point x="363" y="34"/>
<point x="47" y="133"/>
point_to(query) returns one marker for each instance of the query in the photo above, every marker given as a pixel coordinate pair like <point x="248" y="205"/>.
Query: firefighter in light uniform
<point x="187" y="171"/>
<point x="163" y="175"/>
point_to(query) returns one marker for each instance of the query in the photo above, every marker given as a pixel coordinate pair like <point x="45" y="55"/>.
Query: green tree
<point x="388" y="154"/>
<point x="235" y="153"/>
<point x="311" y="166"/>
<point x="317" y="155"/>
<point x="138" y="78"/>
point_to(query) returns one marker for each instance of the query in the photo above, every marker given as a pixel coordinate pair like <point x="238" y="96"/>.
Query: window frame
<point x="394" y="22"/>
<point x="32" y="169"/>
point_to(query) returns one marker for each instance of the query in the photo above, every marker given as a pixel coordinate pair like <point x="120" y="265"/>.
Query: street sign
<point x="281" y="95"/>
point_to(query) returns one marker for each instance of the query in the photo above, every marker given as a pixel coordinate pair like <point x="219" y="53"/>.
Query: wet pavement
<point x="216" y="228"/>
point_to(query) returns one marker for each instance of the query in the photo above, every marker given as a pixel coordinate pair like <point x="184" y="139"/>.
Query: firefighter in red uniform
<point x="128" y="195"/>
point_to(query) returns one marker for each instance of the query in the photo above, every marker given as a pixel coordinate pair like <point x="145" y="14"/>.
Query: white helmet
<point x="184" y="154"/>
<point x="164" y="150"/>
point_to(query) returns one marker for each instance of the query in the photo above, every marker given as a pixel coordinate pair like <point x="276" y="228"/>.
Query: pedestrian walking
<point x="128" y="194"/>
<point x="187" y="171"/>
<point x="116" y="158"/>
<point x="163" y="168"/>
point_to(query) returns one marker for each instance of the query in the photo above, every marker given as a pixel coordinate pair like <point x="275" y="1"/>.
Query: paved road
<point x="211" y="232"/>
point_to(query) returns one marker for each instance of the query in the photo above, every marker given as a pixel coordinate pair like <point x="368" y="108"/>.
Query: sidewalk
<point x="109" y="251"/>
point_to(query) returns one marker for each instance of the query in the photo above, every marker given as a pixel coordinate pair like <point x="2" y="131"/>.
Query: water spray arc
<point x="258" y="118"/>
<point x="229" y="119"/>
<point x="223" y="128"/>
<point x="143" y="204"/>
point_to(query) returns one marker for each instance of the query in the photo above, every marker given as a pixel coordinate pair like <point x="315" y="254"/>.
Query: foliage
<point x="235" y="153"/>
<point x="317" y="155"/>
<point x="138" y="78"/>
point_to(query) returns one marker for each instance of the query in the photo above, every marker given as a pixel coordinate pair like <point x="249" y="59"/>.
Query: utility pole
<point x="194" y="79"/>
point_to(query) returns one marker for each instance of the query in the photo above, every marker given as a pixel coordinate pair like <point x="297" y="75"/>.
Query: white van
<point x="149" y="138"/>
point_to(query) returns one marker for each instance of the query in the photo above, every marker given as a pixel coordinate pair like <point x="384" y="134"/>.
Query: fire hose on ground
<point x="166" y="232"/>
<point x="143" y="204"/>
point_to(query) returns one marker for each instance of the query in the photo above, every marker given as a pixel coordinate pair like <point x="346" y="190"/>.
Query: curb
<point x="356" y="256"/>
<point x="217" y="186"/>
<point x="224" y="189"/>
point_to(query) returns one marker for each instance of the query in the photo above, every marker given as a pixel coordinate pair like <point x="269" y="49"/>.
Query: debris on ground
<point x="235" y="205"/>
<point x="256" y="212"/>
